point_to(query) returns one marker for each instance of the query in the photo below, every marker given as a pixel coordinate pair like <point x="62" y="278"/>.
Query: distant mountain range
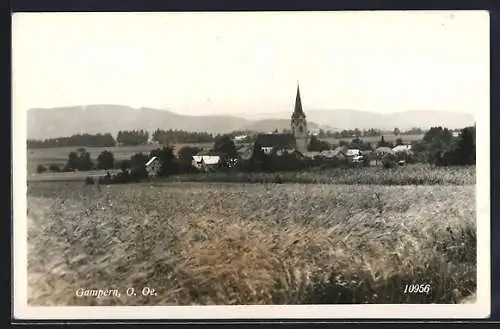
<point x="66" y="121"/>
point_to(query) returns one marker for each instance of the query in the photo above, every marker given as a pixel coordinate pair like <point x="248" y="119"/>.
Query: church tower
<point x="299" y="125"/>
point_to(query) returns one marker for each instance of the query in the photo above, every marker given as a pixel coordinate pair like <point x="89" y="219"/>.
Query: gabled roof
<point x="207" y="159"/>
<point x="352" y="152"/>
<point x="402" y="148"/>
<point x="276" y="140"/>
<point x="153" y="159"/>
<point x="384" y="149"/>
<point x="339" y="151"/>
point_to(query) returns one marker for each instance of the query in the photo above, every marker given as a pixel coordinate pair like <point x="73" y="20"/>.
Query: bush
<point x="105" y="160"/>
<point x="55" y="168"/>
<point x="41" y="169"/>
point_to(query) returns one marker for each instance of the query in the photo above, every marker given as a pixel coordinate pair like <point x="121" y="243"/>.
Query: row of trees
<point x="173" y="136"/>
<point x="89" y="140"/>
<point x="318" y="145"/>
<point x="180" y="136"/>
<point x="132" y="137"/>
<point x="348" y="133"/>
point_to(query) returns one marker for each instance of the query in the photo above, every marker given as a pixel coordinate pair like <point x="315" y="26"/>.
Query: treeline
<point x="174" y="136"/>
<point x="180" y="136"/>
<point x="348" y="133"/>
<point x="132" y="137"/>
<point x="88" y="140"/>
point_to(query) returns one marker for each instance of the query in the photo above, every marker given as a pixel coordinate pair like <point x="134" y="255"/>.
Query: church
<point x="297" y="140"/>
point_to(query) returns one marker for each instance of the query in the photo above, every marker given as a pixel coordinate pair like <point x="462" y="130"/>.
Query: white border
<point x="21" y="311"/>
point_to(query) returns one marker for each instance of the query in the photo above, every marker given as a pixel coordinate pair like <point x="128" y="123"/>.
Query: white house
<point x="205" y="162"/>
<point x="153" y="166"/>
<point x="401" y="148"/>
<point x="352" y="152"/>
<point x="240" y="138"/>
<point x="337" y="153"/>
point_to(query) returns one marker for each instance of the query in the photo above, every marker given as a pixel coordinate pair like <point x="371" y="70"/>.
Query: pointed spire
<point x="298" y="104"/>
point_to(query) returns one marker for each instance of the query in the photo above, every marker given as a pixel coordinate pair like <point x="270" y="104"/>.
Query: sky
<point x="212" y="63"/>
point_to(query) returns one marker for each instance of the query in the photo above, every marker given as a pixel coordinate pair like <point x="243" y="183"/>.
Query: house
<point x="278" y="142"/>
<point x="403" y="152"/>
<point x="240" y="138"/>
<point x="338" y="153"/>
<point x="153" y="166"/>
<point x="205" y="162"/>
<point x="357" y="159"/>
<point x="402" y="148"/>
<point x="312" y="155"/>
<point x="381" y="151"/>
<point x="352" y="152"/>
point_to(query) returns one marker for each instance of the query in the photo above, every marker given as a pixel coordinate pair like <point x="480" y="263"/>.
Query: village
<point x="296" y="144"/>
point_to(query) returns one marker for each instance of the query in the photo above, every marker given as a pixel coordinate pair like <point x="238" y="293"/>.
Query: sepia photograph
<point x="251" y="164"/>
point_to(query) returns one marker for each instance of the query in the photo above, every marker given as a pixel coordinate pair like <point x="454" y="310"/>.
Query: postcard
<point x="251" y="165"/>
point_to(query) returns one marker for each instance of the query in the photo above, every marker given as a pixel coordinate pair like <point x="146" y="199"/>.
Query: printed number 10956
<point x="417" y="288"/>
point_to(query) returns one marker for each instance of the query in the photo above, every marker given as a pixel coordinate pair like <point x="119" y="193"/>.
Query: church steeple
<point x="299" y="124"/>
<point x="298" y="113"/>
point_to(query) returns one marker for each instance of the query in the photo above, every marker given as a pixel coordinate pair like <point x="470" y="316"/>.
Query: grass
<point x="220" y="243"/>
<point x="59" y="155"/>
<point x="418" y="174"/>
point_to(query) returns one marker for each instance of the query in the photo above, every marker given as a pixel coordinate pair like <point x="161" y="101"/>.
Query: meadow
<point x="59" y="155"/>
<point x="414" y="174"/>
<point x="223" y="243"/>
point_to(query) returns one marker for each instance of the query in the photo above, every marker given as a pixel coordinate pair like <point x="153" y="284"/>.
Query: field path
<point x="68" y="176"/>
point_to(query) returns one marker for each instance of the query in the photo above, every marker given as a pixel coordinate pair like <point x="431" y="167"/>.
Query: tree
<point x="79" y="160"/>
<point x="185" y="156"/>
<point x="41" y="169"/>
<point x="224" y="147"/>
<point x="438" y="138"/>
<point x="259" y="159"/>
<point x="85" y="162"/>
<point x="465" y="150"/>
<point x="73" y="161"/>
<point x="383" y="143"/>
<point x="397" y="132"/>
<point x="138" y="160"/>
<point x="105" y="160"/>
<point x="54" y="168"/>
<point x="399" y="141"/>
<point x="317" y="145"/>
<point x="167" y="158"/>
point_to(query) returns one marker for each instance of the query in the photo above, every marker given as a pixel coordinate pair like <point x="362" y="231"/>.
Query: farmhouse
<point x="353" y="152"/>
<point x="383" y="150"/>
<point x="402" y="148"/>
<point x="205" y="162"/>
<point x="296" y="141"/>
<point x="153" y="166"/>
<point x="338" y="153"/>
<point x="278" y="142"/>
<point x="403" y="153"/>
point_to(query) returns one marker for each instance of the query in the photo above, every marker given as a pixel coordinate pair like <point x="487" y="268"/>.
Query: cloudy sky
<point x="201" y="63"/>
